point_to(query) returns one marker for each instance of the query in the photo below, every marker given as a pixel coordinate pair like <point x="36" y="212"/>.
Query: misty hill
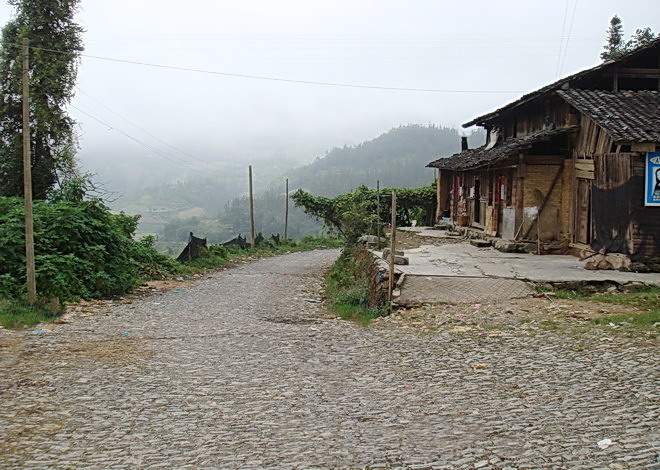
<point x="396" y="158"/>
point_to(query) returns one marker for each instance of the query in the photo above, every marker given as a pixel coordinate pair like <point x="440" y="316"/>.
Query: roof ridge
<point x="558" y="83"/>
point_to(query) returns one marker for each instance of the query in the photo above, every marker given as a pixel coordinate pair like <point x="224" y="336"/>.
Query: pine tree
<point x="615" y="46"/>
<point x="55" y="47"/>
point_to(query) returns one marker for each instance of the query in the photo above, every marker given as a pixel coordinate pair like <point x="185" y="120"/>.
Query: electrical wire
<point x="568" y="36"/>
<point x="151" y="148"/>
<point x="284" y="80"/>
<point x="141" y="129"/>
<point x="561" y="39"/>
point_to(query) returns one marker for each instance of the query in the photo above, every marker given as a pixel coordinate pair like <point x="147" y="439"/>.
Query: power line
<point x="143" y="144"/>
<point x="306" y="82"/>
<point x="568" y="37"/>
<point x="284" y="80"/>
<point x="141" y="129"/>
<point x="561" y="39"/>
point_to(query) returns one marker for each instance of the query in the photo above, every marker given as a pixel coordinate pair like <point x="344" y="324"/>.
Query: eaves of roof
<point x="627" y="116"/>
<point x="483" y="156"/>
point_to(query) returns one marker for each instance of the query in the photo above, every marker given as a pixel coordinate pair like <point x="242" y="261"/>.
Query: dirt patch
<point x="122" y="351"/>
<point x="406" y="240"/>
<point x="514" y="314"/>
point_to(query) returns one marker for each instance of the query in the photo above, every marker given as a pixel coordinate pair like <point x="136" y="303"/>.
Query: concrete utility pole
<point x="27" y="178"/>
<point x="252" y="239"/>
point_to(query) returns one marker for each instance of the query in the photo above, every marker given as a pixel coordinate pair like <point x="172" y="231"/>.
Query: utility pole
<point x="286" y="209"/>
<point x="252" y="239"/>
<point x="378" y="213"/>
<point x="392" y="248"/>
<point x="27" y="178"/>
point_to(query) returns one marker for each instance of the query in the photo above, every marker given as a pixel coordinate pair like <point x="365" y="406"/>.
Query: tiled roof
<point x="481" y="120"/>
<point x="628" y="116"/>
<point x="482" y="156"/>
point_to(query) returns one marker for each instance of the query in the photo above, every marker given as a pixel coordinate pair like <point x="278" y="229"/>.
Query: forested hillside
<point x="396" y="158"/>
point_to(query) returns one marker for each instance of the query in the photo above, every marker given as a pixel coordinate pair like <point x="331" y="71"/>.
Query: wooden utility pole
<point x="392" y="248"/>
<point x="286" y="209"/>
<point x="378" y="231"/>
<point x="252" y="239"/>
<point x="27" y="178"/>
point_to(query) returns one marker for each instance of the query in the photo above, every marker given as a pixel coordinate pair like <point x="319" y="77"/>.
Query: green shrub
<point x="81" y="250"/>
<point x="351" y="286"/>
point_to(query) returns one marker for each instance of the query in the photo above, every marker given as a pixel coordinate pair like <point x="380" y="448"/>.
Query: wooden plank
<point x="582" y="234"/>
<point x="588" y="175"/>
<point x="584" y="165"/>
<point x="639" y="72"/>
<point x="643" y="147"/>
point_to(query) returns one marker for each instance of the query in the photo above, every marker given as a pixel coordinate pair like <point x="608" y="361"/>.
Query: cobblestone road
<point x="239" y="371"/>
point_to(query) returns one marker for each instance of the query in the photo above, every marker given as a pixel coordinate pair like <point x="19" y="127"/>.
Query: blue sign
<point x="652" y="193"/>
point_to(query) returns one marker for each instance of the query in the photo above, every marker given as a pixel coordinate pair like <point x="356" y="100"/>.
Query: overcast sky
<point x="480" y="54"/>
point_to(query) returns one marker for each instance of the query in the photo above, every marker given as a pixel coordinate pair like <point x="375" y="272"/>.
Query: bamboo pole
<point x="390" y="288"/>
<point x="252" y="238"/>
<point x="27" y="178"/>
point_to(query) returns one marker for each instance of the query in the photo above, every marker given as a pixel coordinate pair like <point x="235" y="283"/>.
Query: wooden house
<point x="565" y="165"/>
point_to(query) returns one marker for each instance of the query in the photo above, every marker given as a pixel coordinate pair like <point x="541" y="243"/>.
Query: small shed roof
<point x="482" y="156"/>
<point x="628" y="116"/>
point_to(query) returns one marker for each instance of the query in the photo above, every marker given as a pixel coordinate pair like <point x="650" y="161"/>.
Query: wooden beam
<point x="589" y="175"/>
<point x="638" y="72"/>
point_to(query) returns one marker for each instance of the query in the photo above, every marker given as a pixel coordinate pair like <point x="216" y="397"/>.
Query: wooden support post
<point x="286" y="209"/>
<point x="252" y="238"/>
<point x="538" y="233"/>
<point x="519" y="193"/>
<point x="378" y="231"/>
<point x="27" y="178"/>
<point x="390" y="288"/>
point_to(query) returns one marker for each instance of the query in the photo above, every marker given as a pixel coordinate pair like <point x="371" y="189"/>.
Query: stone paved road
<point x="238" y="371"/>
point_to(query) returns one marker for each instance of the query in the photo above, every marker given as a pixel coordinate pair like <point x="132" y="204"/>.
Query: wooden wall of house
<point x="592" y="139"/>
<point x="538" y="115"/>
<point x="544" y="186"/>
<point x="444" y="178"/>
<point x="620" y="221"/>
<point x="567" y="210"/>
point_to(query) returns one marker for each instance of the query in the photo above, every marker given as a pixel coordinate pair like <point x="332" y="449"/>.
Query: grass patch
<point x="644" y="299"/>
<point x="647" y="299"/>
<point x="645" y="320"/>
<point x="549" y="325"/>
<point x="16" y="315"/>
<point x="350" y="288"/>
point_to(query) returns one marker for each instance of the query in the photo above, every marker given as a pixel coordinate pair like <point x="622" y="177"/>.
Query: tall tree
<point x="55" y="47"/>
<point x="615" y="45"/>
